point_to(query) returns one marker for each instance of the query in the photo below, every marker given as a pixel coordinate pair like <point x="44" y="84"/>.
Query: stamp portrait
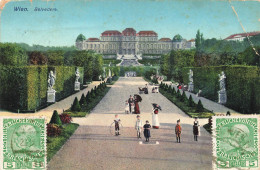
<point x="235" y="142"/>
<point x="24" y="143"/>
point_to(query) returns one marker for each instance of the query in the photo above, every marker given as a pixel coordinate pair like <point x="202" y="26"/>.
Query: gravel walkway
<point x="93" y="147"/>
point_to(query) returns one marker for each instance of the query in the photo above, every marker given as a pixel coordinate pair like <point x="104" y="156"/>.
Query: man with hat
<point x="138" y="126"/>
<point x="178" y="131"/>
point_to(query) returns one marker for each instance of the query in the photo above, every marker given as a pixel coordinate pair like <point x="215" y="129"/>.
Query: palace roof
<point x="111" y="33"/>
<point x="146" y="33"/>
<point x="165" y="39"/>
<point x="129" y="31"/>
<point x="192" y="40"/>
<point x="93" y="39"/>
<point x="243" y="35"/>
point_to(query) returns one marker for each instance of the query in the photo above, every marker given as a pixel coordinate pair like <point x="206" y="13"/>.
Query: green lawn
<point x="55" y="143"/>
<point x="191" y="111"/>
<point x="87" y="108"/>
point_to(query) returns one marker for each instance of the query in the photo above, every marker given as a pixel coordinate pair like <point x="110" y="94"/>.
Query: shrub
<point x="55" y="119"/>
<point x="92" y="94"/>
<point x="65" y="118"/>
<point x="199" y="107"/>
<point x="178" y="94"/>
<point x="161" y="85"/>
<point x="169" y="89"/>
<point x="88" y="97"/>
<point x="183" y="97"/>
<point x="191" y="102"/>
<point x="53" y="130"/>
<point x="82" y="100"/>
<point x="37" y="58"/>
<point x="76" y="106"/>
<point x="173" y="92"/>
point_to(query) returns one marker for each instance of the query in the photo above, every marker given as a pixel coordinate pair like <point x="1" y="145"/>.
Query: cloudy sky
<point x="91" y="17"/>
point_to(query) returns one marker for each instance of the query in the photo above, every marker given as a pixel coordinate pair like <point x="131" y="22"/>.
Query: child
<point x="126" y="107"/>
<point x="138" y="126"/>
<point x="147" y="128"/>
<point x="196" y="129"/>
<point x="132" y="108"/>
<point x="178" y="131"/>
<point x="117" y="121"/>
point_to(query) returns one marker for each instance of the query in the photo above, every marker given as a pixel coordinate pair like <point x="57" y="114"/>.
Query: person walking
<point x="147" y="133"/>
<point x="178" y="131"/>
<point x="196" y="129"/>
<point x="130" y="102"/>
<point x="138" y="126"/>
<point x="117" y="121"/>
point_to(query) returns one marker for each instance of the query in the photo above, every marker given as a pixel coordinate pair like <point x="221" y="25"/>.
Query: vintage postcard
<point x="129" y="84"/>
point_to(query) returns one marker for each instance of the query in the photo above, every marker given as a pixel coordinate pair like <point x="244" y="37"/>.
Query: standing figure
<point x="77" y="75"/>
<point x="138" y="126"/>
<point x="51" y="80"/>
<point x="117" y="121"/>
<point x="196" y="129"/>
<point x="127" y="107"/>
<point x="137" y="109"/>
<point x="155" y="118"/>
<point x="147" y="133"/>
<point x="178" y="131"/>
<point x="146" y="89"/>
<point x="131" y="102"/>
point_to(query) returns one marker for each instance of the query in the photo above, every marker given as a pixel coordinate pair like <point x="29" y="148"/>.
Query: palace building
<point x="130" y="42"/>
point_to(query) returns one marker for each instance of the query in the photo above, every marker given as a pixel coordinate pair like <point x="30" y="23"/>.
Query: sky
<point x="214" y="18"/>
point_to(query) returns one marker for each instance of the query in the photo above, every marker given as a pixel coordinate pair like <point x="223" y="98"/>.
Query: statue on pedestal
<point x="51" y="92"/>
<point x="77" y="83"/>
<point x="190" y="85"/>
<point x="222" y="95"/>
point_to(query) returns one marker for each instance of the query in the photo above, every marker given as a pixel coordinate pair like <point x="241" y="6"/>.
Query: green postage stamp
<point x="236" y="142"/>
<point x="23" y="143"/>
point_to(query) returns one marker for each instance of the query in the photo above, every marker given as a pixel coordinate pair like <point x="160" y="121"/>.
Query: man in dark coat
<point x="130" y="101"/>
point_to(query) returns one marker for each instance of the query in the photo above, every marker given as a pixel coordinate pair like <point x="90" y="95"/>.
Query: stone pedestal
<point x="77" y="86"/>
<point x="190" y="87"/>
<point x="51" y="96"/>
<point x="222" y="97"/>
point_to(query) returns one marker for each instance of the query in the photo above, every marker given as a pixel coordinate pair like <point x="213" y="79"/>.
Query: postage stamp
<point x="23" y="144"/>
<point x="235" y="142"/>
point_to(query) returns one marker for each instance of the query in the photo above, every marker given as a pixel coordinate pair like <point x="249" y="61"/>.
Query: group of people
<point x="132" y="106"/>
<point x="147" y="127"/>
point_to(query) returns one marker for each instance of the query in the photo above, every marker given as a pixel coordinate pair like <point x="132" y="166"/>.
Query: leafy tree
<point x="37" y="58"/>
<point x="55" y="119"/>
<point x="12" y="54"/>
<point x="80" y="37"/>
<point x="76" y="106"/>
<point x="199" y="107"/>
<point x="177" y="38"/>
<point x="97" y="66"/>
<point x="55" y="58"/>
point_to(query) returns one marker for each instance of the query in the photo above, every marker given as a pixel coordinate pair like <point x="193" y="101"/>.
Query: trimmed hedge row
<point x="25" y="88"/>
<point x="242" y="84"/>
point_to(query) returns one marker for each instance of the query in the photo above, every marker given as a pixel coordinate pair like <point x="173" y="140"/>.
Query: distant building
<point x="113" y="42"/>
<point x="242" y="36"/>
<point x="190" y="43"/>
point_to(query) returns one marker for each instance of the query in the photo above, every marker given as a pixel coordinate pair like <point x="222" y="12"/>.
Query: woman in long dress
<point x="137" y="109"/>
<point x="147" y="133"/>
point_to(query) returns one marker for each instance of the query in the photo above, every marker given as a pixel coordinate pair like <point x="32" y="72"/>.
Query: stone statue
<point x="191" y="76"/>
<point x="222" y="78"/>
<point x="190" y="84"/>
<point x="222" y="94"/>
<point x="51" y="80"/>
<point x="77" y="75"/>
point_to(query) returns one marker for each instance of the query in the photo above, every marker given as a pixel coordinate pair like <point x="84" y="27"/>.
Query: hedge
<point x="242" y="85"/>
<point x="25" y="88"/>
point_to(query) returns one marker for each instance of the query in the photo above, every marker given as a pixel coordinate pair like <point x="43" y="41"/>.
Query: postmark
<point x="23" y="144"/>
<point x="235" y="142"/>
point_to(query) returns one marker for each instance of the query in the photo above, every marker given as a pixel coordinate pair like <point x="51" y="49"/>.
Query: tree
<point x="37" y="58"/>
<point x="82" y="100"/>
<point x="183" y="97"/>
<point x="97" y="66"/>
<point x="177" y="38"/>
<point x="178" y="94"/>
<point x="55" y="119"/>
<point x="173" y="91"/>
<point x="80" y="37"/>
<point x="199" y="107"/>
<point x="55" y="58"/>
<point x="88" y="97"/>
<point x="76" y="106"/>
<point x="12" y="54"/>
<point x="191" y="102"/>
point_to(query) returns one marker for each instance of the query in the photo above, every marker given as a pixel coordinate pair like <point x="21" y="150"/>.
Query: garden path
<point x="92" y="146"/>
